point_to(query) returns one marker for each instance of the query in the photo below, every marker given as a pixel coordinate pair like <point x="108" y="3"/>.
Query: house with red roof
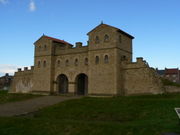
<point x="172" y="74"/>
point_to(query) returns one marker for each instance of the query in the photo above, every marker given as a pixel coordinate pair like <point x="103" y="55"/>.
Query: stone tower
<point x="110" y="45"/>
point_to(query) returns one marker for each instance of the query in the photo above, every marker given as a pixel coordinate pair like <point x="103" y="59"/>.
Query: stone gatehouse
<point x="103" y="67"/>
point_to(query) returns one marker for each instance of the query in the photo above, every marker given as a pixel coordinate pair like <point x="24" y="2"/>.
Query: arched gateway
<point x="62" y="84"/>
<point x="82" y="84"/>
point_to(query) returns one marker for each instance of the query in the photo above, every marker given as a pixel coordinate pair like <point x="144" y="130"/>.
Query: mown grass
<point x="134" y="115"/>
<point x="7" y="97"/>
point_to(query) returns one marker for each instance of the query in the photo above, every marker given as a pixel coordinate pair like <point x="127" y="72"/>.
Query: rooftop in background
<point x="168" y="71"/>
<point x="171" y="71"/>
<point x="160" y="72"/>
<point x="5" y="81"/>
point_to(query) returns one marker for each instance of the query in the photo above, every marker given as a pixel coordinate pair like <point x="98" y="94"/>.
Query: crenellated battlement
<point x="26" y="71"/>
<point x="140" y="63"/>
<point x="68" y="50"/>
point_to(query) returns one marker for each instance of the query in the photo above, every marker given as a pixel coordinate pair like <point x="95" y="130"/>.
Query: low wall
<point x="22" y="82"/>
<point x="139" y="78"/>
<point x="172" y="89"/>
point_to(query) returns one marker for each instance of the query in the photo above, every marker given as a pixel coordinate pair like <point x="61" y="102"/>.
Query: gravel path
<point x="31" y="105"/>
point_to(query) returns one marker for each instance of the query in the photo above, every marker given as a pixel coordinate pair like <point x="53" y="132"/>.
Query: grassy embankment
<point x="134" y="115"/>
<point x="6" y="97"/>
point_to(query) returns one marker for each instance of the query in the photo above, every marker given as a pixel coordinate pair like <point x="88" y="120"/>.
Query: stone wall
<point x="23" y="81"/>
<point x="172" y="89"/>
<point x="139" y="78"/>
<point x="102" y="76"/>
<point x="71" y="70"/>
<point x="75" y="50"/>
<point x="42" y="74"/>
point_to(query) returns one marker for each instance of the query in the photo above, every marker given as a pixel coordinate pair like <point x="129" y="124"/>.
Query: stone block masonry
<point x="103" y="67"/>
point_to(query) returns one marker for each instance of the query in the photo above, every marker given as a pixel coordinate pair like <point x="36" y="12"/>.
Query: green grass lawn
<point x="134" y="115"/>
<point x="6" y="97"/>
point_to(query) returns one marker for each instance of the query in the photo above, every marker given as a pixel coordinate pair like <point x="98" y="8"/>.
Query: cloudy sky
<point x="155" y="24"/>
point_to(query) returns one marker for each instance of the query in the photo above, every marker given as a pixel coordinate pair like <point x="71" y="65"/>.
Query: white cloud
<point x="32" y="6"/>
<point x="3" y="1"/>
<point x="7" y="69"/>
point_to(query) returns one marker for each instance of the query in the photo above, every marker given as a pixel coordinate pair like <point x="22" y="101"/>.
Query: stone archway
<point x="62" y="84"/>
<point x="82" y="84"/>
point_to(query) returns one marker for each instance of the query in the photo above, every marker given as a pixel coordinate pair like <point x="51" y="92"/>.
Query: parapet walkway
<point x="31" y="105"/>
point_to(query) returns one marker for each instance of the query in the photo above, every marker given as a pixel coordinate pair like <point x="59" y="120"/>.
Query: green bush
<point x="169" y="83"/>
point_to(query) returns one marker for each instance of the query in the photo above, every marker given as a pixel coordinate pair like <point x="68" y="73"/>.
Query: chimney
<point x="32" y="67"/>
<point x="139" y="59"/>
<point x="78" y="44"/>
<point x="25" y="68"/>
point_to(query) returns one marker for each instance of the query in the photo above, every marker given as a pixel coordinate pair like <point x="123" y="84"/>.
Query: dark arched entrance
<point x="82" y="84"/>
<point x="62" y="84"/>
